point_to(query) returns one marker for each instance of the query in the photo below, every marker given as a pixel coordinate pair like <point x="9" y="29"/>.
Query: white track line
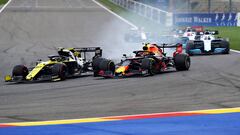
<point x="1" y="10"/>
<point x="236" y="51"/>
<point x="126" y="21"/>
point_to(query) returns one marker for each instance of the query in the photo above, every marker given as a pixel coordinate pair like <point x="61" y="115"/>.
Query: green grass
<point x="3" y="1"/>
<point x="233" y="33"/>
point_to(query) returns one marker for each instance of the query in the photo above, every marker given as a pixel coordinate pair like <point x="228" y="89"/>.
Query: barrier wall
<point x="152" y="13"/>
<point x="179" y="19"/>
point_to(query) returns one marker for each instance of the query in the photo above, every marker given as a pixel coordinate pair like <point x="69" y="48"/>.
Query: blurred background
<point x="213" y="6"/>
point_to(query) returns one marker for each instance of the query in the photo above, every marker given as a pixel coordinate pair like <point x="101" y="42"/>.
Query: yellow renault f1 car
<point x="68" y="63"/>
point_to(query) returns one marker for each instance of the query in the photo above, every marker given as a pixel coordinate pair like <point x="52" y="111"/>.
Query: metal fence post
<point x="188" y="6"/>
<point x="149" y="12"/>
<point x="209" y="6"/>
<point x="230" y="6"/>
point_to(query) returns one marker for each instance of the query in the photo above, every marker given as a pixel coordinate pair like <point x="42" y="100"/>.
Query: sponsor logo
<point x="238" y="19"/>
<point x="206" y="19"/>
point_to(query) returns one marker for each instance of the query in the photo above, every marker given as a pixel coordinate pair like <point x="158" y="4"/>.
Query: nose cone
<point x="121" y="69"/>
<point x="7" y="78"/>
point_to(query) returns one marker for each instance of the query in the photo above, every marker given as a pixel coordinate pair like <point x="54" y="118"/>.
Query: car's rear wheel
<point x="20" y="70"/>
<point x="96" y="65"/>
<point x="60" y="70"/>
<point x="223" y="44"/>
<point x="189" y="46"/>
<point x="182" y="62"/>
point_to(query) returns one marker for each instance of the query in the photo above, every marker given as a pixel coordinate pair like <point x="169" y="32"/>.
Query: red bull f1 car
<point x="149" y="61"/>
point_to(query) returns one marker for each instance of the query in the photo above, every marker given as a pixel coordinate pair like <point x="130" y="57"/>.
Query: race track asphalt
<point x="31" y="29"/>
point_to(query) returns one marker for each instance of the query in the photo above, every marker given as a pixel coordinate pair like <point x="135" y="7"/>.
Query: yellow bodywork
<point x="38" y="68"/>
<point x="7" y="78"/>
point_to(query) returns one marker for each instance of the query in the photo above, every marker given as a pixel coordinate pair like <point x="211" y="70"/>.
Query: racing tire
<point x="96" y="65"/>
<point x="189" y="46"/>
<point x="95" y="73"/>
<point x="148" y="64"/>
<point x="182" y="62"/>
<point x="96" y="62"/>
<point x="226" y="45"/>
<point x="223" y="44"/>
<point x="20" y="70"/>
<point x="107" y="65"/>
<point x="60" y="70"/>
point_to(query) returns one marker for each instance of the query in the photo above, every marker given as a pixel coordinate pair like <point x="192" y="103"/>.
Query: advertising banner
<point x="238" y="19"/>
<point x="206" y="19"/>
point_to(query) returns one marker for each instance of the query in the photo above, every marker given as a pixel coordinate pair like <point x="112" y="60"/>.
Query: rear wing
<point x="84" y="50"/>
<point x="87" y="49"/>
<point x="208" y="32"/>
<point x="213" y="32"/>
<point x="198" y="28"/>
<point x="178" y="46"/>
<point x="161" y="48"/>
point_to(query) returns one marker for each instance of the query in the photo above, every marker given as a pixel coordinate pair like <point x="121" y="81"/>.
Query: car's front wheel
<point x="189" y="47"/>
<point x="20" y="70"/>
<point x="148" y="64"/>
<point x="60" y="70"/>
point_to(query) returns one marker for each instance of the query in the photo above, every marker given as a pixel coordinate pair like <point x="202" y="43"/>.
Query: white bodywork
<point x="191" y="35"/>
<point x="207" y="39"/>
<point x="79" y="61"/>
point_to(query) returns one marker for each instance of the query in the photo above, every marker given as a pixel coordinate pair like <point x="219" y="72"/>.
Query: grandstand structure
<point x="195" y="6"/>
